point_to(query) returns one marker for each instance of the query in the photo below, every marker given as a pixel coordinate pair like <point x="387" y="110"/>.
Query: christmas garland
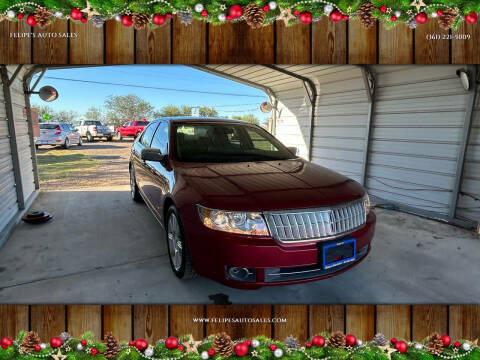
<point x="335" y="346"/>
<point x="257" y="13"/>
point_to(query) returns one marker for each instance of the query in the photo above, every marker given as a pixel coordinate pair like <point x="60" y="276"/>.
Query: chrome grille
<point x="297" y="225"/>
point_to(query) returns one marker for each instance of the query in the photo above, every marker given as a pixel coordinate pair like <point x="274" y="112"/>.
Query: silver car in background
<point x="58" y="134"/>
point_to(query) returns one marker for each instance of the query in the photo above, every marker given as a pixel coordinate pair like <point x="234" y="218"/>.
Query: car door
<point x="158" y="172"/>
<point x="140" y="167"/>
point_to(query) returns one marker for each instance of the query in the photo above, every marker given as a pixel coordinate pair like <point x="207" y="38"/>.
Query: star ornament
<point x="191" y="345"/>
<point x="223" y="7"/>
<point x="286" y="15"/>
<point x="389" y="10"/>
<point x="254" y="353"/>
<point x="59" y="356"/>
<point x="387" y="349"/>
<point x="418" y="4"/>
<point x="89" y="10"/>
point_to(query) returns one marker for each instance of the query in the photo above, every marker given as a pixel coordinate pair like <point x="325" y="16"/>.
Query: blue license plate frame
<point x="345" y="242"/>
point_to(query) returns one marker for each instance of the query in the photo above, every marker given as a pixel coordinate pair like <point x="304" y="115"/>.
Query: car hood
<point x="266" y="185"/>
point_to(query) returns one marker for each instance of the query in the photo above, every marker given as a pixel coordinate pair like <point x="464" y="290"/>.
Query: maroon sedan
<point x="242" y="209"/>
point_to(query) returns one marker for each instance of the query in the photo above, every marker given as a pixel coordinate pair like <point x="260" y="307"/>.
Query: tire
<point x="118" y="135"/>
<point x="178" y="253"/>
<point x="66" y="144"/>
<point x="89" y="137"/>
<point x="37" y="146"/>
<point x="80" y="141"/>
<point x="134" y="188"/>
<point x="109" y="138"/>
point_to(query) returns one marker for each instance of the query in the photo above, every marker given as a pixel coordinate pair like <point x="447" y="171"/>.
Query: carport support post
<point x="13" y="137"/>
<point x="369" y="81"/>
<point x="467" y="125"/>
<point x="26" y="91"/>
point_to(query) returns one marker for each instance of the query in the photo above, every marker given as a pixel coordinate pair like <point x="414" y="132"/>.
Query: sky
<point x="80" y="95"/>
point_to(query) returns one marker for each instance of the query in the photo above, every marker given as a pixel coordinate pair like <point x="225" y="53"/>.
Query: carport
<point x="410" y="134"/>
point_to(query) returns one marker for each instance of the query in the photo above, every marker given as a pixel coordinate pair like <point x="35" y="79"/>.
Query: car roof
<point x="197" y="119"/>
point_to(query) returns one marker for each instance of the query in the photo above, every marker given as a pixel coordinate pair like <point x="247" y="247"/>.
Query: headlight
<point x="366" y="203"/>
<point x="239" y="222"/>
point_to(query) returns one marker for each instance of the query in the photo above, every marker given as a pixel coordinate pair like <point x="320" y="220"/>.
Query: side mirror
<point x="293" y="149"/>
<point x="152" y="155"/>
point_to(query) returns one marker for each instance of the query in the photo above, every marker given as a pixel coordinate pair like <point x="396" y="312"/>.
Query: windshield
<point x="208" y="142"/>
<point x="93" y="122"/>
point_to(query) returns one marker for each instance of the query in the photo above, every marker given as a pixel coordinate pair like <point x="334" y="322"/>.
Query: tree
<point x="94" y="113"/>
<point x="42" y="111"/>
<point x="249" y="117"/>
<point x="207" y="111"/>
<point x="65" y="116"/>
<point x="125" y="108"/>
<point x="169" y="110"/>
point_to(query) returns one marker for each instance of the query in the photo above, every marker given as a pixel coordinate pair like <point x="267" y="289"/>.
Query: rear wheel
<point x="109" y="138"/>
<point x="118" y="135"/>
<point x="89" y="137"/>
<point x="133" y="187"/>
<point x="66" y="144"/>
<point x="179" y="255"/>
<point x="80" y="143"/>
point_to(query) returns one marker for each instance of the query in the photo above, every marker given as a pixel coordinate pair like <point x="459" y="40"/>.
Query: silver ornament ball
<point x="278" y="353"/>
<point x="466" y="346"/>
<point x="79" y="347"/>
<point x="43" y="346"/>
<point x="398" y="13"/>
<point x="148" y="352"/>
<point x="118" y="18"/>
<point x="11" y="14"/>
<point x="418" y="346"/>
<point x="272" y="5"/>
<point x="204" y="355"/>
<point x="222" y="17"/>
<point x="328" y="8"/>
<point x="199" y="7"/>
<point x="58" y="14"/>
<point x="255" y="343"/>
<point x="359" y="342"/>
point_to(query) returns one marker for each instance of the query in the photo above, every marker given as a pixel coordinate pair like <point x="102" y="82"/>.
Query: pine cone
<point x="98" y="20"/>
<point x="186" y="17"/>
<point x="254" y="16"/>
<point x="29" y="341"/>
<point x="365" y="14"/>
<point x="223" y="344"/>
<point x="337" y="339"/>
<point x="379" y="340"/>
<point x="140" y="21"/>
<point x="291" y="343"/>
<point x="113" y="347"/>
<point x="412" y="23"/>
<point x="434" y="344"/>
<point x="447" y="19"/>
<point x="42" y="15"/>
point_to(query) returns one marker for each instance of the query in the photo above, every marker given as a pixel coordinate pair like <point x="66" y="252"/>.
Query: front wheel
<point x="109" y="138"/>
<point x="89" y="137"/>
<point x="80" y="142"/>
<point x="119" y="136"/>
<point x="133" y="187"/>
<point x="179" y="255"/>
<point x="66" y="145"/>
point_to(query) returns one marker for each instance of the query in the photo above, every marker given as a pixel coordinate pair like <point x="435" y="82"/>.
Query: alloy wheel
<point x="175" y="242"/>
<point x="132" y="184"/>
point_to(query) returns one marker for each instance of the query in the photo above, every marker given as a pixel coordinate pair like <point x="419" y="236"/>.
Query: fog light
<point x="241" y="273"/>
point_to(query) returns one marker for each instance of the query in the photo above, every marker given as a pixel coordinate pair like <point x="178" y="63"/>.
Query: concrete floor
<point x="103" y="248"/>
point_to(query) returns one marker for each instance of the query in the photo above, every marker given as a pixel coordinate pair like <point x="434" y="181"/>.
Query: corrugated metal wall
<point x="469" y="200"/>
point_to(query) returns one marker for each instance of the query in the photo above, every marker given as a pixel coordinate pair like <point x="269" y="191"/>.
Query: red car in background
<point x="131" y="128"/>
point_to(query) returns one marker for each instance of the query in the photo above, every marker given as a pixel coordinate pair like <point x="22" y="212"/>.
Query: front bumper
<point x="273" y="262"/>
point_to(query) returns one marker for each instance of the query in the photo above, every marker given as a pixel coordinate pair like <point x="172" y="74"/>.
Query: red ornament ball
<point x="171" y="342"/>
<point x="273" y="347"/>
<point x="401" y="346"/>
<point x="248" y="342"/>
<point x="393" y="18"/>
<point x="31" y="20"/>
<point x="20" y="16"/>
<point x="306" y="17"/>
<point x="211" y="352"/>
<point x="421" y="18"/>
<point x="38" y="348"/>
<point x="336" y="16"/>
<point x="6" y="342"/>
<point x="296" y="12"/>
<point x="346" y="17"/>
<point x="169" y="16"/>
<point x="439" y="12"/>
<point x="142" y="344"/>
<point x="308" y="345"/>
<point x="383" y="9"/>
<point x="351" y="340"/>
<point x="56" y="342"/>
<point x="204" y="13"/>
<point x="84" y="20"/>
<point x="127" y="20"/>
<point x="393" y="340"/>
<point x="236" y="11"/>
<point x="446" y="340"/>
<point x="94" y="351"/>
<point x="229" y="17"/>
<point x="266" y="8"/>
<point x="159" y="19"/>
<point x="318" y="341"/>
<point x="181" y="348"/>
<point x="471" y="18"/>
<point x="76" y="14"/>
<point x="84" y="342"/>
<point x="456" y="344"/>
<point x="241" y="349"/>
<point x="130" y="343"/>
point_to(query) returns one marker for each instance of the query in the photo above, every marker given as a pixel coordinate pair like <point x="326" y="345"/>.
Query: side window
<point x="148" y="135"/>
<point x="160" y="140"/>
<point x="260" y="142"/>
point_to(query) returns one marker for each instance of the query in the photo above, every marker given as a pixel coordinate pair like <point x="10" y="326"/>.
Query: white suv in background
<point x="92" y="129"/>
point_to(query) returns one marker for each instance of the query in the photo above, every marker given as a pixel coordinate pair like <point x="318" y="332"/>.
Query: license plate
<point x="339" y="253"/>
